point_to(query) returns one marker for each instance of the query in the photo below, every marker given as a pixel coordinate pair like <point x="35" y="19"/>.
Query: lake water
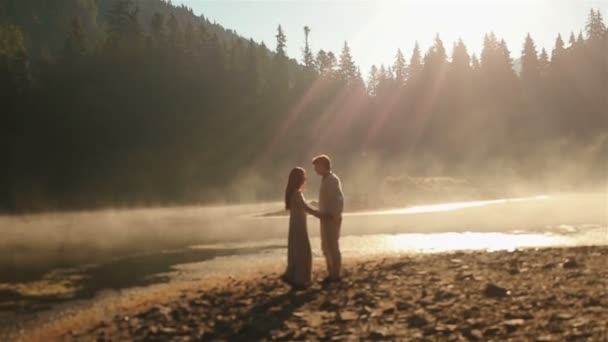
<point x="52" y="259"/>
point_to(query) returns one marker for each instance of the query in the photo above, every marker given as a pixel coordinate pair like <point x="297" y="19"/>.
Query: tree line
<point x="144" y="103"/>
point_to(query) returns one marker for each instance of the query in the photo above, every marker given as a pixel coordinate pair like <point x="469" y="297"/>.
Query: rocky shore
<point x="554" y="294"/>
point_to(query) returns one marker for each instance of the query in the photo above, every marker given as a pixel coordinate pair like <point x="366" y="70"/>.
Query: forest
<point x="121" y="103"/>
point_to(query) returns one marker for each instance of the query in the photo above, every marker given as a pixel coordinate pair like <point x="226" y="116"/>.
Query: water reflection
<point x="447" y="206"/>
<point x="444" y="242"/>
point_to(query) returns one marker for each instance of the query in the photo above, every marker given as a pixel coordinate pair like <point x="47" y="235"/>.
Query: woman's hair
<point x="297" y="176"/>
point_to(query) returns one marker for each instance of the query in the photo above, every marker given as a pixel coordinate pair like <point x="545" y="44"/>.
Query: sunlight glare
<point x="445" y="242"/>
<point x="446" y="206"/>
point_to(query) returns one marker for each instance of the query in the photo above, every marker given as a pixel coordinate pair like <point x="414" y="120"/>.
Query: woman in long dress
<point x="299" y="255"/>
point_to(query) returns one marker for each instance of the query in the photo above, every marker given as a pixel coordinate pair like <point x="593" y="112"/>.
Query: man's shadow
<point x="271" y="314"/>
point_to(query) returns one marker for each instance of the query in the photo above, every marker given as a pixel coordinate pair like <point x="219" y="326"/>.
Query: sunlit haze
<point x="271" y="170"/>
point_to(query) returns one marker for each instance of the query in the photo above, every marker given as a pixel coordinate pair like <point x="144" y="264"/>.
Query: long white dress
<point x="299" y="254"/>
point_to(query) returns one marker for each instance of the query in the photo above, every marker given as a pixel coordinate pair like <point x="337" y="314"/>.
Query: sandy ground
<point x="552" y="294"/>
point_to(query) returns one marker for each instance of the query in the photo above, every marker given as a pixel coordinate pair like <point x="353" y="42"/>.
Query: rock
<point x="443" y="295"/>
<point x="400" y="305"/>
<point x="198" y="302"/>
<point x="157" y="312"/>
<point x="514" y="322"/>
<point x="329" y="306"/>
<point x="348" y="316"/>
<point x="579" y="322"/>
<point x="494" y="291"/>
<point x="491" y="332"/>
<point x="473" y="334"/>
<point x="519" y="315"/>
<point x="134" y="322"/>
<point x="549" y="265"/>
<point x="376" y="335"/>
<point x="388" y="311"/>
<point x="578" y="336"/>
<point x="561" y="317"/>
<point x="592" y="302"/>
<point x="417" y="321"/>
<point x="446" y="327"/>
<point x="314" y="319"/>
<point x="570" y="263"/>
<point x="168" y="330"/>
<point x="463" y="276"/>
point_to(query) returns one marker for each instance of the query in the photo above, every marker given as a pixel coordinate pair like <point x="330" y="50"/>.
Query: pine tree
<point x="496" y="78"/>
<point x="372" y="81"/>
<point x="558" y="50"/>
<point x="173" y="26"/>
<point x="595" y="28"/>
<point x="543" y="63"/>
<point x="436" y="57"/>
<point x="75" y="44"/>
<point x="321" y="62"/>
<point x="475" y="64"/>
<point x="347" y="70"/>
<point x="460" y="58"/>
<point x="251" y="75"/>
<point x="400" y="69"/>
<point x="326" y="63"/>
<point x="435" y="70"/>
<point x="281" y="43"/>
<point x="460" y="76"/>
<point x="157" y="28"/>
<point x="308" y="58"/>
<point x="215" y="59"/>
<point x="580" y="41"/>
<point x="489" y="53"/>
<point x="530" y="69"/>
<point x="383" y="81"/>
<point x="571" y="40"/>
<point x="122" y="25"/>
<point x="390" y="74"/>
<point x="415" y="66"/>
<point x="14" y="70"/>
<point x="507" y="61"/>
<point x="358" y="83"/>
<point x="280" y="70"/>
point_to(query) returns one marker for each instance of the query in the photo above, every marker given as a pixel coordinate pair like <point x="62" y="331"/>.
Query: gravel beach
<point x="552" y="294"/>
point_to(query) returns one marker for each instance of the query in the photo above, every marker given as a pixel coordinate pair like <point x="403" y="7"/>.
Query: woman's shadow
<point x="262" y="319"/>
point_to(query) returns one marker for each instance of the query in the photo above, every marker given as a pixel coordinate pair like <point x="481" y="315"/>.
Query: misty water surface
<point x="55" y="258"/>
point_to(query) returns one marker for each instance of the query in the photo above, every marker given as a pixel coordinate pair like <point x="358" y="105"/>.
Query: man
<point x="331" y="205"/>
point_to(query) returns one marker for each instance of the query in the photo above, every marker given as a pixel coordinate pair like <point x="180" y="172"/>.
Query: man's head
<point x="322" y="165"/>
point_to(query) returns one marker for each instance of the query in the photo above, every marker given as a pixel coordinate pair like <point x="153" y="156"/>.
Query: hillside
<point x="45" y="24"/>
<point x="138" y="103"/>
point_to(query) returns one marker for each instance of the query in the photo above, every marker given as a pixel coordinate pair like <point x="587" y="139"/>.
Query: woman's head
<point x="297" y="178"/>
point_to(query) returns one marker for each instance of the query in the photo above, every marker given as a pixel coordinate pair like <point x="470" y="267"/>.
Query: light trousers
<point x="330" y="236"/>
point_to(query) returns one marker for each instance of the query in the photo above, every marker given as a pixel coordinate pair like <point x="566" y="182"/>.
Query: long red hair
<point x="296" y="180"/>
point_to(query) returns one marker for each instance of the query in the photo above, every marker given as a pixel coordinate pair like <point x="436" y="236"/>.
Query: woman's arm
<point x="310" y="210"/>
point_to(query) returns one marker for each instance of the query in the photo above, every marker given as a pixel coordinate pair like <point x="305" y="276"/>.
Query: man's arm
<point x="335" y="199"/>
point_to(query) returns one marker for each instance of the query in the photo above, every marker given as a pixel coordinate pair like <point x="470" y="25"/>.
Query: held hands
<point x="316" y="213"/>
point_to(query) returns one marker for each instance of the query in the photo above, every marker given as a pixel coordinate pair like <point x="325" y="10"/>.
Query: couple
<point x="331" y="204"/>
